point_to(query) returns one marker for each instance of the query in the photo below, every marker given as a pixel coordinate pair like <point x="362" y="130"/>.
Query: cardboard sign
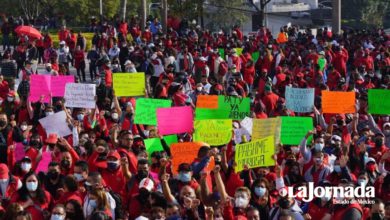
<point x="213" y="132"/>
<point x="257" y="153"/>
<point x="266" y="127"/>
<point x="79" y="95"/>
<point x="294" y="129"/>
<point x="145" y="110"/>
<point x="175" y="120"/>
<point x="43" y="165"/>
<point x="299" y="100"/>
<point x="154" y="144"/>
<point x="129" y="84"/>
<point x="338" y="102"/>
<point x="228" y="108"/>
<point x="379" y="101"/>
<point x="56" y="123"/>
<point x="184" y="153"/>
<point x="207" y="101"/>
<point x="46" y="84"/>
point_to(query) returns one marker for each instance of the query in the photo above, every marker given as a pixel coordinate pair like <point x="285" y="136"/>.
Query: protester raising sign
<point x="184" y="153"/>
<point x="257" y="153"/>
<point x="56" y="124"/>
<point x="145" y="110"/>
<point x="266" y="127"/>
<point x="294" y="129"/>
<point x="175" y="120"/>
<point x="129" y="84"/>
<point x="80" y="95"/>
<point x="228" y="108"/>
<point x="338" y="102"/>
<point x="213" y="132"/>
<point x="379" y="101"/>
<point x="47" y="86"/>
<point x="207" y="101"/>
<point x="299" y="100"/>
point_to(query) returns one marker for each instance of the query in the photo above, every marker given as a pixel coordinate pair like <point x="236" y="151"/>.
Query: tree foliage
<point x="367" y="12"/>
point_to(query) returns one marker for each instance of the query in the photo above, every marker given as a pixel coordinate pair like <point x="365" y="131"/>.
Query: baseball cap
<point x="4" y="171"/>
<point x="52" y="139"/>
<point x="147" y="184"/>
<point x="184" y="167"/>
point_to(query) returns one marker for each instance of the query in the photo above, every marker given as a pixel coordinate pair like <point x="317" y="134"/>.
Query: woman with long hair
<point x="99" y="202"/>
<point x="73" y="210"/>
<point x="11" y="211"/>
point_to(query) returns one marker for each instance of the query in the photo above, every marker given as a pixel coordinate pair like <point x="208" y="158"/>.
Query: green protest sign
<point x="378" y="101"/>
<point x="221" y="52"/>
<point x="228" y="108"/>
<point x="238" y="51"/>
<point x="294" y="129"/>
<point x="154" y="144"/>
<point x="255" y="56"/>
<point x="145" y="110"/>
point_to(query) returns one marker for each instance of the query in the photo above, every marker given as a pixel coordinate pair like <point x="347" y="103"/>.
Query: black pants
<point x="92" y="71"/>
<point x="82" y="70"/>
<point x="40" y="54"/>
<point x="153" y="82"/>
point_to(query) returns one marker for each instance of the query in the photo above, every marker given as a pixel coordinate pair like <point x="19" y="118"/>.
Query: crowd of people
<point x="103" y="171"/>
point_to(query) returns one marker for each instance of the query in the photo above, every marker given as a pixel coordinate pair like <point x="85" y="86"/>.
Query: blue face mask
<point x="80" y="117"/>
<point x="112" y="165"/>
<point x="93" y="203"/>
<point x="260" y="191"/>
<point x="337" y="168"/>
<point x="185" y="177"/>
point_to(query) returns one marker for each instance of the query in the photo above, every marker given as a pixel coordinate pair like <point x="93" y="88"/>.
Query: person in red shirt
<point x="33" y="197"/>
<point x="270" y="99"/>
<point x="79" y="63"/>
<point x="116" y="175"/>
<point x="71" y="191"/>
<point x="4" y="88"/>
<point x="249" y="74"/>
<point x="340" y="62"/>
<point x="63" y="33"/>
<point x="11" y="184"/>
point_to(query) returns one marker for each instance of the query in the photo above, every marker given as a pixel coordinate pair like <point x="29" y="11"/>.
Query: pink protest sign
<point x="175" y="120"/>
<point x="58" y="84"/>
<point x="19" y="151"/>
<point x="40" y="85"/>
<point x="43" y="165"/>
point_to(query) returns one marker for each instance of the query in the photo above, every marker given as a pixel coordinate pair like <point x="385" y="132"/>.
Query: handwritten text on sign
<point x="145" y="110"/>
<point x="129" y="84"/>
<point x="213" y="132"/>
<point x="266" y="127"/>
<point x="299" y="100"/>
<point x="257" y="153"/>
<point x="378" y="101"/>
<point x="80" y="95"/>
<point x="338" y="102"/>
<point x="294" y="129"/>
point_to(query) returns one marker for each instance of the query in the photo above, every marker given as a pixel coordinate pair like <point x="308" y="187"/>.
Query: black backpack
<point x="118" y="202"/>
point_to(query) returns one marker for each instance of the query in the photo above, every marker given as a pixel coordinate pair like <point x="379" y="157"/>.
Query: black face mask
<point x="378" y="142"/>
<point x="340" y="122"/>
<point x="102" y="156"/>
<point x="65" y="164"/>
<point x="377" y="216"/>
<point x="70" y="215"/>
<point x="34" y="143"/>
<point x="284" y="203"/>
<point x="142" y="174"/>
<point x="3" y="123"/>
<point x="52" y="175"/>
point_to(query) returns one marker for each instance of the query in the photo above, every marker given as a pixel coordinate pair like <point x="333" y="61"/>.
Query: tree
<point x="366" y="12"/>
<point x="260" y="11"/>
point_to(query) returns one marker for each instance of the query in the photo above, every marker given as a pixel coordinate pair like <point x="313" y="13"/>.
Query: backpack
<point x="118" y="202"/>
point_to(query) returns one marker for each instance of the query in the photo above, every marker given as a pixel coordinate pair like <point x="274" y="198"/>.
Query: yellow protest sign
<point x="213" y="132"/>
<point x="257" y="153"/>
<point x="129" y="84"/>
<point x="266" y="127"/>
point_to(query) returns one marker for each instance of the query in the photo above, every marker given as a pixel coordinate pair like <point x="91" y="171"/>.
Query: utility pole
<point x="336" y="16"/>
<point x="143" y="14"/>
<point x="101" y="10"/>
<point x="164" y="15"/>
<point x="124" y="10"/>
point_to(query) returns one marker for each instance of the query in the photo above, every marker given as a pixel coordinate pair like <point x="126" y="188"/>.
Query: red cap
<point x="300" y="74"/>
<point x="4" y="171"/>
<point x="219" y="87"/>
<point x="11" y="93"/>
<point x="264" y="70"/>
<point x="52" y="138"/>
<point x="114" y="154"/>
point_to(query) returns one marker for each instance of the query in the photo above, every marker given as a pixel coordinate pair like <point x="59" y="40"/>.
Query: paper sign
<point x="43" y="165"/>
<point x="221" y="52"/>
<point x="255" y="56"/>
<point x="238" y="51"/>
<point x="58" y="84"/>
<point x="257" y="153"/>
<point x="228" y="108"/>
<point x="154" y="144"/>
<point x="184" y="153"/>
<point x="56" y="123"/>
<point x="239" y="133"/>
<point x="145" y="110"/>
<point x="338" y="102"/>
<point x="379" y="101"/>
<point x="266" y="127"/>
<point x="299" y="100"/>
<point x="129" y="84"/>
<point x="213" y="132"/>
<point x="40" y="85"/>
<point x="80" y="95"/>
<point x="294" y="129"/>
<point x="19" y="151"/>
<point x="247" y="123"/>
<point x="207" y="101"/>
<point x="175" y="120"/>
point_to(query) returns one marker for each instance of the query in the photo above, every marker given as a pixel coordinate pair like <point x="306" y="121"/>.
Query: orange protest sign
<point x="184" y="153"/>
<point x="207" y="101"/>
<point x="338" y="102"/>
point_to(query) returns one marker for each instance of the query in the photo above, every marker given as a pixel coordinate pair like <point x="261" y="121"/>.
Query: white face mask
<point x="114" y="116"/>
<point x="32" y="186"/>
<point x="318" y="146"/>
<point x="78" y="177"/>
<point x="49" y="113"/>
<point x="199" y="89"/>
<point x="10" y="99"/>
<point x="3" y="181"/>
<point x="295" y="150"/>
<point x="241" y="202"/>
<point x="26" y="167"/>
<point x="23" y="127"/>
<point x="57" y="217"/>
<point x="362" y="182"/>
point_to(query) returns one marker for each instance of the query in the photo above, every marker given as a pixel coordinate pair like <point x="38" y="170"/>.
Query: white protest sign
<point x="299" y="100"/>
<point x="80" y="95"/>
<point x="247" y="123"/>
<point x="56" y="123"/>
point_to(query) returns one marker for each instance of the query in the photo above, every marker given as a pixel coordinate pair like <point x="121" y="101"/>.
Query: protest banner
<point x="299" y="100"/>
<point x="247" y="124"/>
<point x="294" y="129"/>
<point x="184" y="153"/>
<point x="79" y="95"/>
<point x="228" y="108"/>
<point x="238" y="51"/>
<point x="175" y="120"/>
<point x="129" y="84"/>
<point x="338" y="102"/>
<point x="19" y="151"/>
<point x="39" y="86"/>
<point x="154" y="144"/>
<point x="257" y="153"/>
<point x="43" y="165"/>
<point x="379" y="101"/>
<point x="255" y="56"/>
<point x="145" y="110"/>
<point x="213" y="132"/>
<point x="56" y="123"/>
<point x="207" y="101"/>
<point x="266" y="127"/>
<point x="58" y="84"/>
